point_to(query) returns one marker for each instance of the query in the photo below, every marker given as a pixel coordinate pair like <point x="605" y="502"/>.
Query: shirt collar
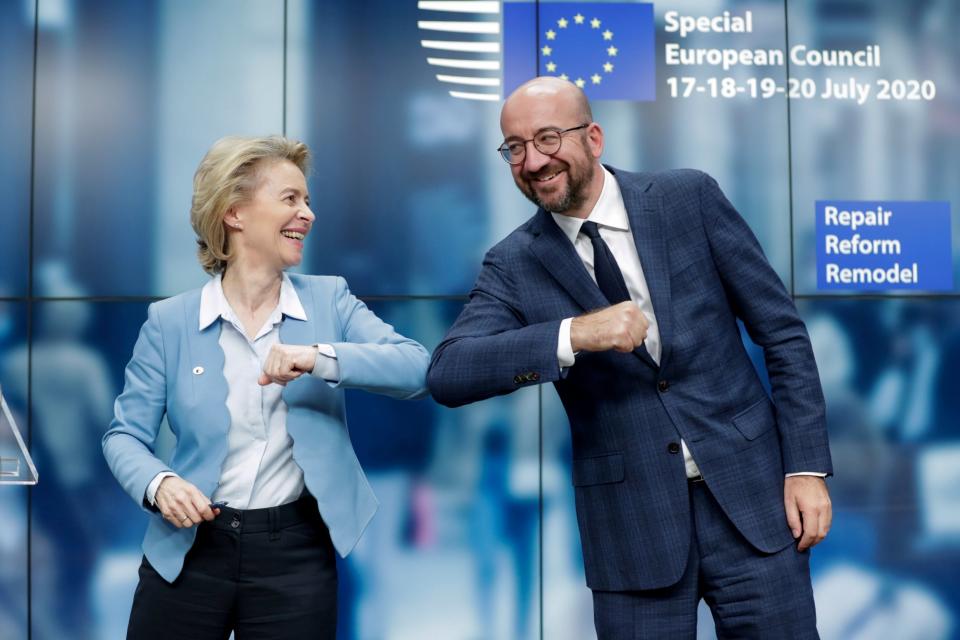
<point x="608" y="212"/>
<point x="214" y="305"/>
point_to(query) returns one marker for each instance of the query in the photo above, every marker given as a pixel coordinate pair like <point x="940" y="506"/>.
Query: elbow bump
<point x="441" y="395"/>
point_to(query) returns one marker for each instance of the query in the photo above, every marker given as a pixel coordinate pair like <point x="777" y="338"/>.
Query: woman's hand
<point x="182" y="504"/>
<point x="287" y="362"/>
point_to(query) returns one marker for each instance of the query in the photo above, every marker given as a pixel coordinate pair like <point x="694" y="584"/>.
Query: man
<point x="624" y="290"/>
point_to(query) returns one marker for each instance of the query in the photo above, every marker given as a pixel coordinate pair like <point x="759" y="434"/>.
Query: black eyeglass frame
<point x="504" y="151"/>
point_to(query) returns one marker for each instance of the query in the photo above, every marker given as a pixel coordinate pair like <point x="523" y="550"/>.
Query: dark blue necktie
<point x="608" y="274"/>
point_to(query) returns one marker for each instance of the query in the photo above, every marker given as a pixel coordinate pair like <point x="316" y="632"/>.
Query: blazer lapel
<point x="294" y="331"/>
<point x="553" y="249"/>
<point x="646" y="223"/>
<point x="205" y="369"/>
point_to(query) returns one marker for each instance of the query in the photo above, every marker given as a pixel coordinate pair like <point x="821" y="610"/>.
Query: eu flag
<point x="607" y="49"/>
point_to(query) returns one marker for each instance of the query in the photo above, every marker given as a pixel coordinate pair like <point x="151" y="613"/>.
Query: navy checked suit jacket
<point x="705" y="269"/>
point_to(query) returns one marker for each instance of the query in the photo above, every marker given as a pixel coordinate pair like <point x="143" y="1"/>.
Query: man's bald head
<point x="562" y="175"/>
<point x="562" y="95"/>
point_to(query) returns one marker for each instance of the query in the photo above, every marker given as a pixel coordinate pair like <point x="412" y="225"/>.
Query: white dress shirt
<point x="259" y="469"/>
<point x="610" y="214"/>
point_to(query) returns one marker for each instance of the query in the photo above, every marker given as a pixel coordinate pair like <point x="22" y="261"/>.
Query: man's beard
<point x="572" y="197"/>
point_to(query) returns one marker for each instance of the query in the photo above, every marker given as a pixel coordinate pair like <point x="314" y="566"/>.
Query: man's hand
<point x="182" y="504"/>
<point x="809" y="511"/>
<point x="287" y="362"/>
<point x="622" y="327"/>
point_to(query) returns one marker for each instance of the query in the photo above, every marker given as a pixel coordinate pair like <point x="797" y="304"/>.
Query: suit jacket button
<point x="673" y="447"/>
<point x="663" y="385"/>
<point x="534" y="376"/>
<point x="518" y="379"/>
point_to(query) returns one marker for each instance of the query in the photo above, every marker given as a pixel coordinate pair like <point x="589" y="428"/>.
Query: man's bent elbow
<point x="442" y="386"/>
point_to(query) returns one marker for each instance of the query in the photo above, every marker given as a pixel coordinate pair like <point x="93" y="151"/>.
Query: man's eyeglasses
<point x="547" y="142"/>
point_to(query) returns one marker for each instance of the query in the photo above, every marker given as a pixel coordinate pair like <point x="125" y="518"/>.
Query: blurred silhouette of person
<point x="71" y="399"/>
<point x="503" y="517"/>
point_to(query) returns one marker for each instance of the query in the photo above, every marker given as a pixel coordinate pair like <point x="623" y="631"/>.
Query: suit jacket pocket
<point x="756" y="419"/>
<point x="605" y="469"/>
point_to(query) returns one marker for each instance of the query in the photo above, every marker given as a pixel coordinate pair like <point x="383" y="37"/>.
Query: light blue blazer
<point x="163" y="378"/>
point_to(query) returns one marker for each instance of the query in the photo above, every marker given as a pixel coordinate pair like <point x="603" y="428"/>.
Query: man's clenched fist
<point x="621" y="327"/>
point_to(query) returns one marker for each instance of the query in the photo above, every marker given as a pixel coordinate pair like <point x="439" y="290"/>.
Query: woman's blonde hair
<point x="228" y="176"/>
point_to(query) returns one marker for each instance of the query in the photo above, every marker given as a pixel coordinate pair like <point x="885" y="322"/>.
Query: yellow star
<point x="551" y="66"/>
<point x="608" y="67"/>
<point x="595" y="23"/>
<point x="551" y="35"/>
<point x="595" y="78"/>
<point x="546" y="50"/>
<point x="578" y="19"/>
<point x="608" y="35"/>
<point x="563" y="23"/>
<point x="564" y="76"/>
<point x="612" y="51"/>
<point x="580" y="82"/>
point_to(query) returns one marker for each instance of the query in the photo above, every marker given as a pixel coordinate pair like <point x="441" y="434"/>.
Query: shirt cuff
<point x="805" y="473"/>
<point x="565" y="355"/>
<point x="326" y="366"/>
<point x="155" y="484"/>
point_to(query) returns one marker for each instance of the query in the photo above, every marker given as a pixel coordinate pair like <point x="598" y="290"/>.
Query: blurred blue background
<point x="107" y="106"/>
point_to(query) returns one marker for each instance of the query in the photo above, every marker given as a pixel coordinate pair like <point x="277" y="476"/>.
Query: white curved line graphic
<point x="461" y="7"/>
<point x="485" y="65"/>
<point x="454" y="45"/>
<point x="480" y="82"/>
<point x="475" y="96"/>
<point x="459" y="27"/>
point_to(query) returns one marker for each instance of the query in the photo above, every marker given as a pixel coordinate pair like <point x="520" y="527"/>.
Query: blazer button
<point x="673" y="447"/>
<point x="663" y="385"/>
<point x="517" y="379"/>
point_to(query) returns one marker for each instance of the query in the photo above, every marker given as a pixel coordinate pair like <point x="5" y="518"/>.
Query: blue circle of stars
<point x="578" y="20"/>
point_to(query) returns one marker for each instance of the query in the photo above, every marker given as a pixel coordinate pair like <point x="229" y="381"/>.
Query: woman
<point x="263" y="483"/>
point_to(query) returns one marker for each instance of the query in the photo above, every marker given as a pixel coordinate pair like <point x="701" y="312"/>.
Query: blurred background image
<point x="106" y="108"/>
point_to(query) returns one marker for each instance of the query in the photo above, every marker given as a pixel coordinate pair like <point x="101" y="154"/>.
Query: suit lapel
<point x="204" y="368"/>
<point x="553" y="249"/>
<point x="208" y="378"/>
<point x="646" y="223"/>
<point x="294" y="331"/>
<point x="205" y="364"/>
